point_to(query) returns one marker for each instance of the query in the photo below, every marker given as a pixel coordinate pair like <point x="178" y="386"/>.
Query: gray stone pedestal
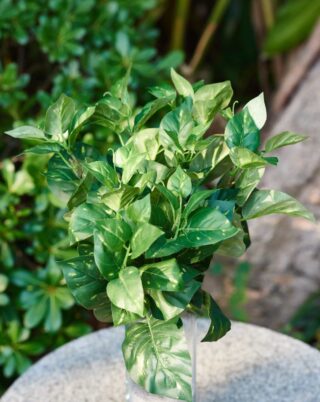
<point x="250" y="364"/>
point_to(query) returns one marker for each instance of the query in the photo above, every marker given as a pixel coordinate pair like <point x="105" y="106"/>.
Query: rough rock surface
<point x="285" y="252"/>
<point x="249" y="364"/>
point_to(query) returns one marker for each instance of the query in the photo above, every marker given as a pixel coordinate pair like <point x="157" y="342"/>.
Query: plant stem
<point x="65" y="161"/>
<point x="124" y="264"/>
<point x="215" y="17"/>
<point x="267" y="13"/>
<point x="179" y="25"/>
<point x="177" y="221"/>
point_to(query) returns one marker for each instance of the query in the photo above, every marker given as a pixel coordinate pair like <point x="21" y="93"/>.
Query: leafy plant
<point x="144" y="223"/>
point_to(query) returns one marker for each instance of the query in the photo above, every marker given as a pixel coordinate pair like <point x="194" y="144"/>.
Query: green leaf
<point x="36" y="313"/>
<point x="114" y="233"/>
<point x="234" y="247"/>
<point x="176" y="127"/>
<point x="195" y="201"/>
<point x="207" y="227"/>
<point x="241" y="131"/>
<point x="144" y="235"/>
<point x="126" y="292"/>
<point x="257" y="110"/>
<point x="266" y="202"/>
<point x="157" y="358"/>
<point x="246" y="183"/>
<point x="164" y="275"/>
<point x="80" y="118"/>
<point x="245" y="159"/>
<point x="146" y="142"/>
<point x="180" y="183"/>
<point x="140" y="210"/>
<point x="59" y="117"/>
<point x="104" y="173"/>
<point x="84" y="280"/>
<point x="108" y="262"/>
<point x="131" y="167"/>
<point x="118" y="199"/>
<point x="84" y="220"/>
<point x="167" y="310"/>
<point x="150" y="109"/>
<point x="3" y="282"/>
<point x="210" y="99"/>
<point x="122" y="317"/>
<point x="81" y="192"/>
<point x="103" y="312"/>
<point x="219" y="325"/>
<point x="62" y="181"/>
<point x="182" y="86"/>
<point x="282" y="140"/>
<point x="43" y="149"/>
<point x="27" y="132"/>
<point x="182" y="298"/>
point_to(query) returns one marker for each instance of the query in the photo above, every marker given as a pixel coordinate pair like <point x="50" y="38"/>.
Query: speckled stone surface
<point x="250" y="364"/>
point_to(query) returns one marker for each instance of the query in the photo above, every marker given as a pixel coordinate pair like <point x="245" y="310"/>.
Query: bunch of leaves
<point x="144" y="223"/>
<point x="305" y="324"/>
<point x="74" y="47"/>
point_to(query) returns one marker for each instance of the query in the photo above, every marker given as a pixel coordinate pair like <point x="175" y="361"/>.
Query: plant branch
<point x="215" y="17"/>
<point x="179" y="25"/>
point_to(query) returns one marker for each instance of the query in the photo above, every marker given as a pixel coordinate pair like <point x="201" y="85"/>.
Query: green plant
<point x="143" y="222"/>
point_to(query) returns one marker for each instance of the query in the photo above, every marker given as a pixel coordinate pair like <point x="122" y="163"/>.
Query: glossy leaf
<point x="84" y="220"/>
<point x="176" y="127"/>
<point x="219" y="325"/>
<point x="180" y="183"/>
<point x="126" y="292"/>
<point x="85" y="281"/>
<point x="115" y="233"/>
<point x="245" y="159"/>
<point x="164" y="275"/>
<point x="108" y="262"/>
<point x="122" y="317"/>
<point x="257" y="110"/>
<point x="282" y="140"/>
<point x="182" y="85"/>
<point x="157" y="358"/>
<point x="168" y="310"/>
<point x="27" y="132"/>
<point x="266" y="202"/>
<point x="59" y="117"/>
<point x="210" y="99"/>
<point x="241" y="131"/>
<point x="104" y="173"/>
<point x="246" y="183"/>
<point x="140" y="210"/>
<point x="144" y="235"/>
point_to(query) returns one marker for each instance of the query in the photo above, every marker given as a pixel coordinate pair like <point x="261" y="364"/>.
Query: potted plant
<point x="147" y="214"/>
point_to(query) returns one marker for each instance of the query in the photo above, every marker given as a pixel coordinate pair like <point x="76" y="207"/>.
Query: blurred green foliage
<point x="305" y="324"/>
<point x="74" y="47"/>
<point x="238" y="283"/>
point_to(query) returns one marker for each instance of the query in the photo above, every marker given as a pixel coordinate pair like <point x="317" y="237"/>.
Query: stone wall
<point x="285" y="252"/>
